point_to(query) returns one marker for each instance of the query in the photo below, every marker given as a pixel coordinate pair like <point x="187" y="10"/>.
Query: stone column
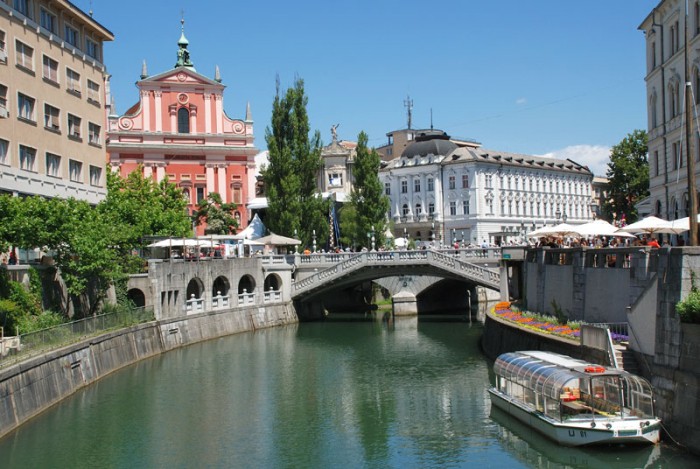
<point x="221" y="174"/>
<point x="160" y="172"/>
<point x="146" y="106"/>
<point x="207" y="113"/>
<point x="219" y="99"/>
<point x="159" y="112"/>
<point x="210" y="179"/>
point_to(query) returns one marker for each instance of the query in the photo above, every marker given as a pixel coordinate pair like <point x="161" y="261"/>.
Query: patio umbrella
<point x="278" y="240"/>
<point x="648" y="225"/>
<point x="560" y="230"/>
<point x="178" y="242"/>
<point x="601" y="228"/>
<point x="679" y="226"/>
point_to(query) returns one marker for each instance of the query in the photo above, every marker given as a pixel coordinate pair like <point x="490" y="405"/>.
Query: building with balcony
<point x="335" y="179"/>
<point x="178" y="129"/>
<point x="672" y="36"/>
<point x="52" y="100"/>
<point x="445" y="192"/>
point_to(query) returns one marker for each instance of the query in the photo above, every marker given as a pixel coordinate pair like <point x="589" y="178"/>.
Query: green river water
<point x="348" y="394"/>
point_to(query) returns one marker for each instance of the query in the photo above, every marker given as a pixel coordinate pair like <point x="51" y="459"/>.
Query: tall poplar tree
<point x="294" y="204"/>
<point x="628" y="176"/>
<point x="368" y="199"/>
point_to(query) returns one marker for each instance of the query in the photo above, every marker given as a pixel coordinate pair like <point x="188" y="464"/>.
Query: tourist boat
<point x="574" y="402"/>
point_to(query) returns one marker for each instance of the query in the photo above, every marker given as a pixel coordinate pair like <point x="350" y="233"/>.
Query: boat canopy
<point x="548" y="373"/>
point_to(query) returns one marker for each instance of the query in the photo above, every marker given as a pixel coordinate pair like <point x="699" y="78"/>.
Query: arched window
<point x="183" y="120"/>
<point x="658" y="208"/>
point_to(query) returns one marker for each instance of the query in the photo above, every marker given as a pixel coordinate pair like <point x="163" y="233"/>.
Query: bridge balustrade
<point x="220" y="301"/>
<point x="272" y="296"/>
<point x="194" y="305"/>
<point x="246" y="298"/>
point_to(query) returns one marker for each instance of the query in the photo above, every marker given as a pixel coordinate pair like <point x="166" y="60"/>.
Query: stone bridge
<point x="374" y="265"/>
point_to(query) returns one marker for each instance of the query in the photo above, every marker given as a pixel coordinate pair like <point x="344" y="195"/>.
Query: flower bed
<point x="504" y="311"/>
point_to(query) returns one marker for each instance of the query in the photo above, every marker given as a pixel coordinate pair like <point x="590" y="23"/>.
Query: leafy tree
<point x="368" y="199"/>
<point x="217" y="215"/>
<point x="294" y="204"/>
<point x="628" y="176"/>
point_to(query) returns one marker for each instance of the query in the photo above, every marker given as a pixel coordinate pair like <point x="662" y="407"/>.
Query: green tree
<point x="294" y="204"/>
<point x="367" y="197"/>
<point x="628" y="176"/>
<point x="217" y="215"/>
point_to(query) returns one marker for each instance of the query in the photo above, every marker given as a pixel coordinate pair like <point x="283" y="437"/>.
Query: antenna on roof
<point x="431" y="118"/>
<point x="90" y="12"/>
<point x="408" y="104"/>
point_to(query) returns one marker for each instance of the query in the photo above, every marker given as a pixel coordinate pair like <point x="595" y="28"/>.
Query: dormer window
<point x="183" y="120"/>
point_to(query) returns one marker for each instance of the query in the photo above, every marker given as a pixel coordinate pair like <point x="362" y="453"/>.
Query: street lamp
<point x="296" y="246"/>
<point x="314" y="235"/>
<point x="454" y="236"/>
<point x="558" y="214"/>
<point x="373" y="239"/>
<point x="564" y="217"/>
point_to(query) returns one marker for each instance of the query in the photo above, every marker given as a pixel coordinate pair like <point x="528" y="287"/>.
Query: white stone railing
<point x="220" y="301"/>
<point x="440" y="260"/>
<point x="194" y="305"/>
<point x="271" y="296"/>
<point x="246" y="298"/>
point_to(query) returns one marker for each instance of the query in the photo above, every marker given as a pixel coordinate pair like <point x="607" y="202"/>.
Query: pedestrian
<point x="13" y="257"/>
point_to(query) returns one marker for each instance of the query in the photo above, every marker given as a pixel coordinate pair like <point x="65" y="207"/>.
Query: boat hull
<point x="596" y="431"/>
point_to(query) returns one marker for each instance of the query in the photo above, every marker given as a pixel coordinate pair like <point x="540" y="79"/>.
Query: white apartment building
<point x="52" y="100"/>
<point x="446" y="191"/>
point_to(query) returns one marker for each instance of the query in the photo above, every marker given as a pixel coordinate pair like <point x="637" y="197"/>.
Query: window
<point x="465" y="181"/>
<point x="24" y="55"/>
<point x="200" y="194"/>
<point x="404" y="187"/>
<point x="3" y="51"/>
<point x="21" y="6"/>
<point x="48" y="20"/>
<point x="95" y="175"/>
<point x="51" y="117"/>
<point x="25" y="107"/>
<point x="75" y="168"/>
<point x="92" y="49"/>
<point x="387" y="188"/>
<point x="74" y="126"/>
<point x="27" y="157"/>
<point x="431" y="209"/>
<point x="404" y="210"/>
<point x="465" y="207"/>
<point x="53" y="165"/>
<point x="72" y="36"/>
<point x="452" y="182"/>
<point x="4" y="146"/>
<point x="93" y="92"/>
<point x="419" y="209"/>
<point x="3" y="101"/>
<point x="94" y="132"/>
<point x="183" y="121"/>
<point x="335" y="179"/>
<point x="73" y="81"/>
<point x="431" y="184"/>
<point x="453" y="208"/>
<point x="50" y="69"/>
<point x="416" y="185"/>
<point x="488" y="180"/>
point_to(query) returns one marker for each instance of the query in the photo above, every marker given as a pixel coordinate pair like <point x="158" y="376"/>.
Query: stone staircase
<point x="626" y="359"/>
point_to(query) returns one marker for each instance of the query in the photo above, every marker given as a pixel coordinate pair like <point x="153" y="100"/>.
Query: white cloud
<point x="596" y="157"/>
<point x="521" y="101"/>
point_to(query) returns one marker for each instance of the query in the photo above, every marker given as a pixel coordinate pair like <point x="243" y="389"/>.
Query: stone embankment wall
<point x="30" y="387"/>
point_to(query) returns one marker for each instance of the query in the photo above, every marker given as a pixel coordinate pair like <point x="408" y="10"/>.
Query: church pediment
<point x="181" y="76"/>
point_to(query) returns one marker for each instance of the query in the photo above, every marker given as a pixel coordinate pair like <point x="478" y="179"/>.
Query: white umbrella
<point x="679" y="226"/>
<point x="600" y="228"/>
<point x="648" y="225"/>
<point x="178" y="242"/>
<point x="562" y="229"/>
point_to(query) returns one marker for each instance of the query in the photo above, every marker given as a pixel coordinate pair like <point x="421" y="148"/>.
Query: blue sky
<point x="556" y="78"/>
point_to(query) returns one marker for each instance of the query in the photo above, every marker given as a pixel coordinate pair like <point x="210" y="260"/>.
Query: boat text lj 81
<point x="574" y="402"/>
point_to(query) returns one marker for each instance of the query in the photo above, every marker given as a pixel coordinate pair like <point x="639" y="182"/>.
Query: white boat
<point x="574" y="402"/>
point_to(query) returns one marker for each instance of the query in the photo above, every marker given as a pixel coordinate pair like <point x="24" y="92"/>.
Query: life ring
<point x="594" y="369"/>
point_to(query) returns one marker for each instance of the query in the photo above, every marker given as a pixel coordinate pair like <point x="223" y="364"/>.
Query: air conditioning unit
<point x="3" y="112"/>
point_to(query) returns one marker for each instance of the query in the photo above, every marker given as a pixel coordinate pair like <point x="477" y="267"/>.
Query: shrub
<point x="10" y="313"/>
<point x="689" y="308"/>
<point x="559" y="313"/>
<point x="31" y="323"/>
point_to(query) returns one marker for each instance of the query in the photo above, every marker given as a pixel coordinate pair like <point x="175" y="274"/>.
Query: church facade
<point x="178" y="129"/>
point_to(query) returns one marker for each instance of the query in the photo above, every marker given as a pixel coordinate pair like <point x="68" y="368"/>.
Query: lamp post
<point x="369" y="246"/>
<point x="454" y="236"/>
<point x="373" y="239"/>
<point x="314" y="236"/>
<point x="296" y="246"/>
<point x="558" y="214"/>
<point x="564" y="217"/>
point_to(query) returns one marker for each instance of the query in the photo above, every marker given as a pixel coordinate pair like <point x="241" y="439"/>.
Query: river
<point x="350" y="394"/>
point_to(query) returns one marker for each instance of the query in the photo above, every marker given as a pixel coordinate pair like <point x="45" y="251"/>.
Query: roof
<point x="430" y="142"/>
<point x="463" y="154"/>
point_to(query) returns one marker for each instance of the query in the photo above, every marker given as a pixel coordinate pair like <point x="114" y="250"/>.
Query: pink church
<point x="179" y="129"/>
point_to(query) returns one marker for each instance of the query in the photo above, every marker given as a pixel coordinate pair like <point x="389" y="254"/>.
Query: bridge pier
<point x="404" y="304"/>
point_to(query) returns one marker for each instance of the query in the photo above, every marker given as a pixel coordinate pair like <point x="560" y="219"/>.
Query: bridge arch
<point x="195" y="288"/>
<point x="273" y="282"/>
<point x="246" y="284"/>
<point x="137" y="297"/>
<point x="221" y="286"/>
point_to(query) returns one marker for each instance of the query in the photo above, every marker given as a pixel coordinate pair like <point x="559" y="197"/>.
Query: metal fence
<point x="37" y="342"/>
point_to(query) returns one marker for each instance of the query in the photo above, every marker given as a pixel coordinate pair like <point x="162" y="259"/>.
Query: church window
<point x="183" y="121"/>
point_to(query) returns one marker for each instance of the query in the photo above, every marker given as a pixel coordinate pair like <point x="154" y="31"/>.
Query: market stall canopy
<point x="179" y="242"/>
<point x="278" y="240"/>
<point x="562" y="229"/>
<point x="648" y="225"/>
<point x="601" y="228"/>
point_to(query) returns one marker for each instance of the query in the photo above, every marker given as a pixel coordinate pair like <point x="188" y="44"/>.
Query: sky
<point x="551" y="78"/>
